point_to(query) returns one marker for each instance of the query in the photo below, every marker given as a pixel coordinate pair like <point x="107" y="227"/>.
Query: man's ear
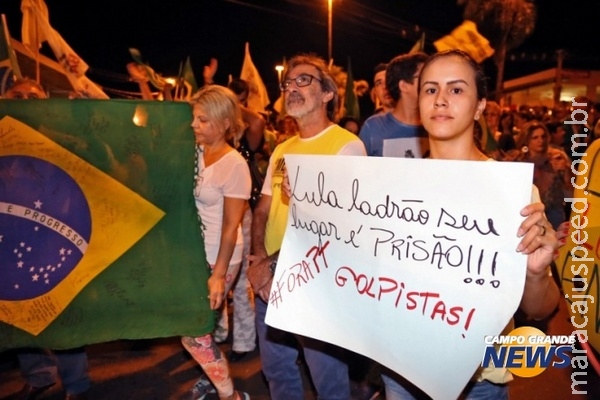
<point x="327" y="96"/>
<point x="402" y="85"/>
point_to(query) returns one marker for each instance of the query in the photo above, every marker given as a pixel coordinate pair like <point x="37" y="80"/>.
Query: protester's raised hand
<point x="210" y="70"/>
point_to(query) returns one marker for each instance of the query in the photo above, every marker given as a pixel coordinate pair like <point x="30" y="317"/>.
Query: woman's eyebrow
<point x="455" y="81"/>
<point x="452" y="82"/>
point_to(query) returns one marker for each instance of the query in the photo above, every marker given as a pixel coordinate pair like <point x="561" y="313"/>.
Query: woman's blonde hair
<point x="221" y="105"/>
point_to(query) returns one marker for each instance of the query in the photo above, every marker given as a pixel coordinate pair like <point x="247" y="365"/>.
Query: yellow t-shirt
<point x="333" y="140"/>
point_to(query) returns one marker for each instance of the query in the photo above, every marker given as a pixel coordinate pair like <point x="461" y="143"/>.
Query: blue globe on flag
<point x="45" y="226"/>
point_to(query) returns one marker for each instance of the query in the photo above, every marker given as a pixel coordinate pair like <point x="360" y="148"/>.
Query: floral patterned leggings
<point x="212" y="360"/>
<point x="207" y="353"/>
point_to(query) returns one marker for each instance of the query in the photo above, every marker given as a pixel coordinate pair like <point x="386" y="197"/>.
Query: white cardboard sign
<point x="410" y="262"/>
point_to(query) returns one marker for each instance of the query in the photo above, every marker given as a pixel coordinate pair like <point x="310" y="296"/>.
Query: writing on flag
<point x="103" y="212"/>
<point x="62" y="222"/>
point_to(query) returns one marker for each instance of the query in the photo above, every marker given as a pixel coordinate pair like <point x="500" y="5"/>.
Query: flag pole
<point x="330" y="29"/>
<point x="37" y="55"/>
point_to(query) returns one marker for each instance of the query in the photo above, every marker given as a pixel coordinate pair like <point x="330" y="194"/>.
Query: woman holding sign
<point x="452" y="93"/>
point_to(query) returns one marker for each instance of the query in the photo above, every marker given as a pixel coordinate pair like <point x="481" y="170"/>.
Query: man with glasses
<point x="310" y="96"/>
<point x="398" y="133"/>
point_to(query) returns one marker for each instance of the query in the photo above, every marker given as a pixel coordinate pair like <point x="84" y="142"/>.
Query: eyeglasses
<point x="301" y="81"/>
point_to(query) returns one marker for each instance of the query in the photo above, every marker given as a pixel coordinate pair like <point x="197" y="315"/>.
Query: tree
<point x="505" y="23"/>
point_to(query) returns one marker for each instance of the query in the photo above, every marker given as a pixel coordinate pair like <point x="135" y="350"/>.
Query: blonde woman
<point x="221" y="192"/>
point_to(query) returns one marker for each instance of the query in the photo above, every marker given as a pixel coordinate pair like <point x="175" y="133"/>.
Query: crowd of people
<point x="436" y="106"/>
<point x="540" y="136"/>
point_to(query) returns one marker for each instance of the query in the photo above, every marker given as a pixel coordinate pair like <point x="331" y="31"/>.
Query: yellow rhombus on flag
<point x="118" y="218"/>
<point x="96" y="200"/>
<point x="466" y="38"/>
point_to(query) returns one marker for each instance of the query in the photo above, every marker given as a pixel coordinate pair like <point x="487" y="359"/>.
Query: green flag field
<point x="99" y="235"/>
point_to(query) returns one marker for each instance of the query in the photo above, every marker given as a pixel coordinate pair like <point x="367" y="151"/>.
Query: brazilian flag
<point x="578" y="263"/>
<point x="99" y="235"/>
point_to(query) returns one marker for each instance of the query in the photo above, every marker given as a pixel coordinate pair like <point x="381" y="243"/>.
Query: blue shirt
<point x="380" y="127"/>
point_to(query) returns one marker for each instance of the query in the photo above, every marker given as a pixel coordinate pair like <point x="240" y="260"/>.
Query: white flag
<point x="31" y="35"/>
<point x="37" y="25"/>
<point x="258" y="98"/>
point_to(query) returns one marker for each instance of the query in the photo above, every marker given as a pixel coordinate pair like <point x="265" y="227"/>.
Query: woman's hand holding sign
<point x="539" y="242"/>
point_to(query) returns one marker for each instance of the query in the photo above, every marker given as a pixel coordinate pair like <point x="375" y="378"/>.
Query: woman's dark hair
<point x="480" y="78"/>
<point x="508" y="114"/>
<point x="553" y="126"/>
<point x="344" y="120"/>
<point x="238" y="86"/>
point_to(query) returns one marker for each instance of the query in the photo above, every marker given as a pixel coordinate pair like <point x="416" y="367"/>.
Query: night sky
<point x="366" y="31"/>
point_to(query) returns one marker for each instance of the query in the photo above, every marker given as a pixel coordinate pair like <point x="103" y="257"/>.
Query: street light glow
<point x="279" y="69"/>
<point x="330" y="29"/>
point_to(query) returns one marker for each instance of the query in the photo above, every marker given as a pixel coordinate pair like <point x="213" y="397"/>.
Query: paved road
<point x="161" y="370"/>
